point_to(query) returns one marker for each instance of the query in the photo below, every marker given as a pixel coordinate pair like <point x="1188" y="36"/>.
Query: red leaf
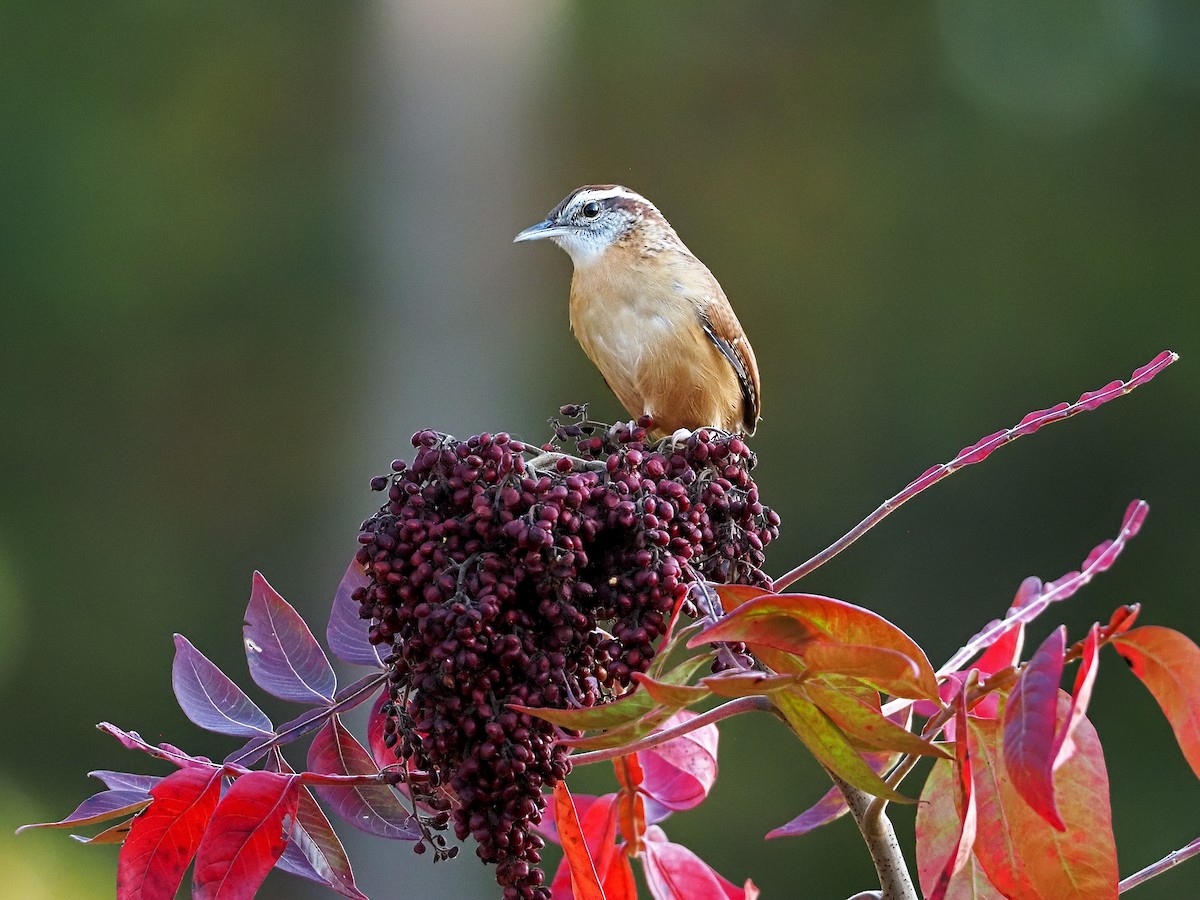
<point x="619" y="883"/>
<point x="373" y="808"/>
<point x="673" y="872"/>
<point x="680" y="773"/>
<point x="164" y="837"/>
<point x="585" y="883"/>
<point x="285" y="659"/>
<point x="962" y="836"/>
<point x="598" y="823"/>
<point x="1168" y="663"/>
<point x="1026" y="857"/>
<point x="583" y="806"/>
<point x="383" y="755"/>
<point x="1122" y="619"/>
<point x="1005" y="652"/>
<point x="631" y="807"/>
<point x="939" y="827"/>
<point x="1031" y="738"/>
<point x="246" y="836"/>
<point x="209" y="697"/>
<point x="629" y="772"/>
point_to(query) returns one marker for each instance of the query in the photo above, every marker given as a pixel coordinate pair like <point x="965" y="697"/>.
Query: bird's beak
<point x="547" y="229"/>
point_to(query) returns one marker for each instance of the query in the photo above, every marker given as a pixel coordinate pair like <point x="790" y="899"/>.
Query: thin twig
<point x="976" y="453"/>
<point x="1170" y="861"/>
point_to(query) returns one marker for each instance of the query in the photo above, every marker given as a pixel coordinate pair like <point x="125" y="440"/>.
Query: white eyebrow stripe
<point x="588" y="196"/>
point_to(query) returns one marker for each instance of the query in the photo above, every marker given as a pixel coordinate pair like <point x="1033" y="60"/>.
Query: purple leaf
<point x="833" y="805"/>
<point x="346" y="633"/>
<point x="99" y="808"/>
<point x="125" y="781"/>
<point x="209" y="698"/>
<point x="373" y="808"/>
<point x="314" y="850"/>
<point x="285" y="659"/>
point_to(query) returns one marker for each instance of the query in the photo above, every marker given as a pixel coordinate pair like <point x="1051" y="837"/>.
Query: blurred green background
<point x="247" y="250"/>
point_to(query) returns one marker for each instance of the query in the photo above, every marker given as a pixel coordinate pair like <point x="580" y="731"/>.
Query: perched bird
<point x="650" y="315"/>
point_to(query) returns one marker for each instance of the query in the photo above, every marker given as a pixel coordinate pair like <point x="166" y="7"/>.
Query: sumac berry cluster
<point x="546" y="581"/>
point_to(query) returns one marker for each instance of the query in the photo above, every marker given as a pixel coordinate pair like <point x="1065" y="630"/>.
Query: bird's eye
<point x="591" y="210"/>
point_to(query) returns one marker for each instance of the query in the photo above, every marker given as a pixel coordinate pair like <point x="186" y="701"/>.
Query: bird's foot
<point x="680" y="436"/>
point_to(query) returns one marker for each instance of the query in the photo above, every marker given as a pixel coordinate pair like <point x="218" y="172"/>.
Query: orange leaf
<point x="734" y="595"/>
<point x="734" y="683"/>
<point x="1168" y="663"/>
<point x="795" y="623"/>
<point x="585" y="884"/>
<point x="675" y="696"/>
<point x="1027" y="857"/>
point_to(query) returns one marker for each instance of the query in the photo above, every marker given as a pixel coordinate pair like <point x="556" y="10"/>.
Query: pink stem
<point x="975" y="453"/>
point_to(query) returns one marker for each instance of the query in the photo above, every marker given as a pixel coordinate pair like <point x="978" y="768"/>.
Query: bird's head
<point x="593" y="218"/>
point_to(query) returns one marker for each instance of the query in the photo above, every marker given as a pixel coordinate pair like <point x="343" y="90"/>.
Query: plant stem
<point x="1170" y="861"/>
<point x="977" y="453"/>
<point x="881" y="841"/>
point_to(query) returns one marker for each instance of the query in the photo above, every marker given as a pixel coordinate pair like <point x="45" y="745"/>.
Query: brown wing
<point x="725" y="331"/>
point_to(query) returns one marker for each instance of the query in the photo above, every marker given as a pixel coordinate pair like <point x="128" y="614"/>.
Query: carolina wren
<point x="650" y="315"/>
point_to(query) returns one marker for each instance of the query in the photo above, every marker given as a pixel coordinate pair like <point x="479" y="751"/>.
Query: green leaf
<point x="626" y="734"/>
<point x="865" y="724"/>
<point x="616" y="714"/>
<point x="830" y="746"/>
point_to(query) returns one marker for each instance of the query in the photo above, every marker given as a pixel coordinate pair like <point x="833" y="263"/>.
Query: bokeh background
<point x="247" y="249"/>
